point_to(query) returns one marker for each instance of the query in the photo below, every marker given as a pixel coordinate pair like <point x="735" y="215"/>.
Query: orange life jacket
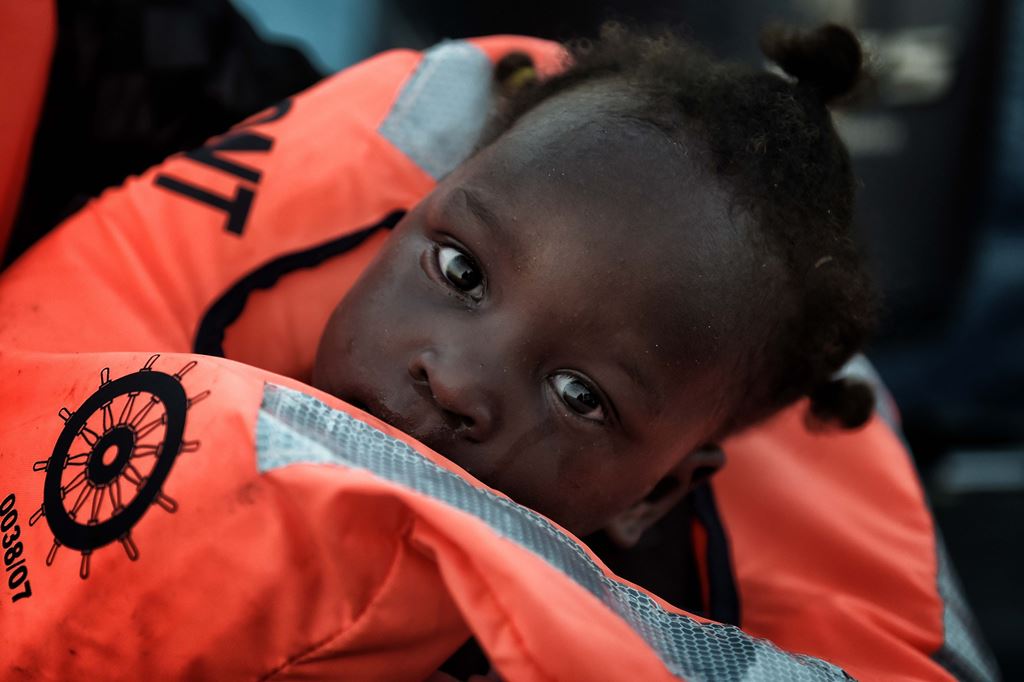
<point x="189" y="516"/>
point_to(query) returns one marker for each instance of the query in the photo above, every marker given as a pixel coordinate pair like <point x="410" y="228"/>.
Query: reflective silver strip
<point x="294" y="428"/>
<point x="442" y="109"/>
<point x="963" y="651"/>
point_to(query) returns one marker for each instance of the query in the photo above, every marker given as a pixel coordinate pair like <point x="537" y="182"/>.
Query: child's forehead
<point x="595" y="122"/>
<point x="586" y="147"/>
<point x="604" y="178"/>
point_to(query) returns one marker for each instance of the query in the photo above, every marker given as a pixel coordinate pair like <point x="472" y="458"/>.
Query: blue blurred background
<point x="939" y="150"/>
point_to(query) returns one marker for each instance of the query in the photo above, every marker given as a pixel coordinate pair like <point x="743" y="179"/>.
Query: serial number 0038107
<point x="13" y="551"/>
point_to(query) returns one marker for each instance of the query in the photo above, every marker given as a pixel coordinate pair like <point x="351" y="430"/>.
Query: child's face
<point x="551" y="317"/>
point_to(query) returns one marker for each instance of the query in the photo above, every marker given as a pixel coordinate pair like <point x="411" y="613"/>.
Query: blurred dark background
<point x="939" y="149"/>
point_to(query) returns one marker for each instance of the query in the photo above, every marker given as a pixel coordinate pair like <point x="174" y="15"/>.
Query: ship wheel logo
<point x="112" y="459"/>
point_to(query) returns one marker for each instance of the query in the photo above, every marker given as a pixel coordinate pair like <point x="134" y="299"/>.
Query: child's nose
<point x="458" y="389"/>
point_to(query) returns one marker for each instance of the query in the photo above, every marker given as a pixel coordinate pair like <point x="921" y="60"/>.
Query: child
<point x="515" y="323"/>
<point x="650" y="252"/>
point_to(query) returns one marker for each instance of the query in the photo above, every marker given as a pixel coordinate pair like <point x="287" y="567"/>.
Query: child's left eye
<point x="461" y="271"/>
<point x="579" y="396"/>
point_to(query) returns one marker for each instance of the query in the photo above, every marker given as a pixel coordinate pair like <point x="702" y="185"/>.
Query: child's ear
<point x="626" y="528"/>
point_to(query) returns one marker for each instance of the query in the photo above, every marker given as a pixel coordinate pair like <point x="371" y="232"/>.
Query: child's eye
<point x="579" y="396"/>
<point x="461" y="271"/>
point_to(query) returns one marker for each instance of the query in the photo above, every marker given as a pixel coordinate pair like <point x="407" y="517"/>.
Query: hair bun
<point x="847" y="402"/>
<point x="827" y="60"/>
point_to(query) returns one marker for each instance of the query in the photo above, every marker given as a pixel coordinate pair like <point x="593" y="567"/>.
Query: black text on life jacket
<point x="235" y="207"/>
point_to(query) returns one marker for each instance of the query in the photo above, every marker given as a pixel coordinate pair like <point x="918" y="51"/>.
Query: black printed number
<point x="14" y="562"/>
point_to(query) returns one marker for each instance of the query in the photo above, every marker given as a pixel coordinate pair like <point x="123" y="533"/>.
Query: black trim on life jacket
<point x="209" y="339"/>
<point x="723" y="597"/>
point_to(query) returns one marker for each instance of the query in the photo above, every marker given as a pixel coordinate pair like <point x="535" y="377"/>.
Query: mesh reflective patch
<point x="294" y="428"/>
<point x="963" y="651"/>
<point x="441" y="111"/>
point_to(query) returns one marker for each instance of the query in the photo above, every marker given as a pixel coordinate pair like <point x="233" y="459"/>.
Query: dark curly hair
<point x="771" y="141"/>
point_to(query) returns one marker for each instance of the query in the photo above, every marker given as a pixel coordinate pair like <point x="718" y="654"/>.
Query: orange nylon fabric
<point x="832" y="532"/>
<point x="306" y="572"/>
<point x="364" y="579"/>
<point x="27" y="34"/>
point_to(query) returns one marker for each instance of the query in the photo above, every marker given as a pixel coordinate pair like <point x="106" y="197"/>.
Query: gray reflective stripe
<point x="963" y="651"/>
<point x="294" y="428"/>
<point x="441" y="111"/>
